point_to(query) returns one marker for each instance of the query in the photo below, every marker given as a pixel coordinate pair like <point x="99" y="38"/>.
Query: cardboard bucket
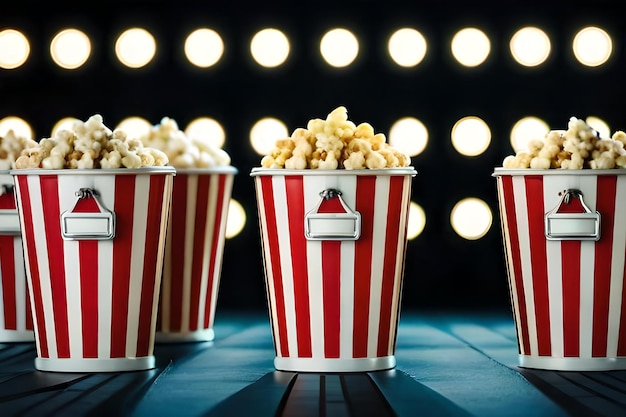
<point x="193" y="254"/>
<point x="16" y="323"/>
<point x="564" y="234"/>
<point x="334" y="245"/>
<point x="93" y="247"/>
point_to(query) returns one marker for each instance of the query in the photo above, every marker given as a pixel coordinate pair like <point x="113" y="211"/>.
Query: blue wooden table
<point x="448" y="364"/>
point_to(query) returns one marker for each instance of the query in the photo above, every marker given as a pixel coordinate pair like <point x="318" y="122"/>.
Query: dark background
<point x="443" y="270"/>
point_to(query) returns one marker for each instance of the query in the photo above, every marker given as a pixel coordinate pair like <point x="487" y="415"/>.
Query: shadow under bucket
<point x="93" y="246"/>
<point x="334" y="245"/>
<point x="564" y="234"/>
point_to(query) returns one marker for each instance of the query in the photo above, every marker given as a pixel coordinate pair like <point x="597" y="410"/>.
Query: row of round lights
<point x="471" y="218"/>
<point x="136" y="47"/>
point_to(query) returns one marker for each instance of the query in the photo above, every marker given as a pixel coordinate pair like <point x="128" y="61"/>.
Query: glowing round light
<point x="236" y="219"/>
<point x="339" y="47"/>
<point x="135" y="47"/>
<point x="470" y="47"/>
<point x="204" y="47"/>
<point x="269" y="48"/>
<point x="530" y="46"/>
<point x="408" y="135"/>
<point x="525" y="130"/>
<point x="66" y="123"/>
<point x="265" y="133"/>
<point x="135" y="126"/>
<point x="600" y="125"/>
<point x="407" y="47"/>
<point x="70" y="48"/>
<point x="207" y="129"/>
<point x="471" y="136"/>
<point x="19" y="126"/>
<point x="14" y="49"/>
<point x="592" y="46"/>
<point x="471" y="218"/>
<point x="417" y="221"/>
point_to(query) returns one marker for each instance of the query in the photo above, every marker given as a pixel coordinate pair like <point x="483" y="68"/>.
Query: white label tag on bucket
<point x="87" y="226"/>
<point x="9" y="222"/>
<point x="332" y="226"/>
<point x="90" y="225"/>
<point x="572" y="226"/>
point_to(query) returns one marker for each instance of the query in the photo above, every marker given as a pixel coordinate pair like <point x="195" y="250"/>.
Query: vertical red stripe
<point x="28" y="234"/>
<point x="177" y="247"/>
<point x="331" y="284"/>
<point x="88" y="255"/>
<point x="215" y="256"/>
<point x="265" y="187"/>
<point x="570" y="249"/>
<point x="516" y="282"/>
<point x="295" y="215"/>
<point x="392" y="234"/>
<point x="365" y="197"/>
<point x="7" y="266"/>
<point x="122" y="250"/>
<point x="539" y="261"/>
<point x="199" y="250"/>
<point x="54" y="241"/>
<point x="152" y="262"/>
<point x="605" y="204"/>
<point x="7" y="201"/>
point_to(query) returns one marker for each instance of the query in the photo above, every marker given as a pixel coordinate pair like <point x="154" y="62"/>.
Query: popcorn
<point x="334" y="143"/>
<point x="578" y="147"/>
<point x="183" y="151"/>
<point x="11" y="146"/>
<point x="89" y="145"/>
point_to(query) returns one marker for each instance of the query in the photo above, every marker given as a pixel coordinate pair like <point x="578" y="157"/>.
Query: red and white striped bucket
<point x="193" y="254"/>
<point x="16" y="323"/>
<point x="93" y="247"/>
<point x="334" y="245"/>
<point x="564" y="235"/>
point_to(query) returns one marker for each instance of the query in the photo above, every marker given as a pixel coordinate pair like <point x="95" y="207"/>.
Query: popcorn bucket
<point x="16" y="323"/>
<point x="93" y="247"/>
<point x="193" y="254"/>
<point x="564" y="234"/>
<point x="333" y="245"/>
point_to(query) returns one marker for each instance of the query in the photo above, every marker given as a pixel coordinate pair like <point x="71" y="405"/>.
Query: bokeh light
<point x="204" y="47"/>
<point x="339" y="47"/>
<point x="407" y="47"/>
<point x="135" y="47"/>
<point x="236" y="219"/>
<point x="471" y="136"/>
<point x="471" y="218"/>
<point x="14" y="49"/>
<point x="70" y="48"/>
<point x="470" y="47"/>
<point x="265" y="133"/>
<point x="592" y="46"/>
<point x="270" y="47"/>
<point x="408" y="135"/>
<point x="530" y="46"/>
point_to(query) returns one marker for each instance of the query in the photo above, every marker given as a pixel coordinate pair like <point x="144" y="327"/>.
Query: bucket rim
<point x="225" y="169"/>
<point x="94" y="171"/>
<point x="259" y="171"/>
<point x="557" y="171"/>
